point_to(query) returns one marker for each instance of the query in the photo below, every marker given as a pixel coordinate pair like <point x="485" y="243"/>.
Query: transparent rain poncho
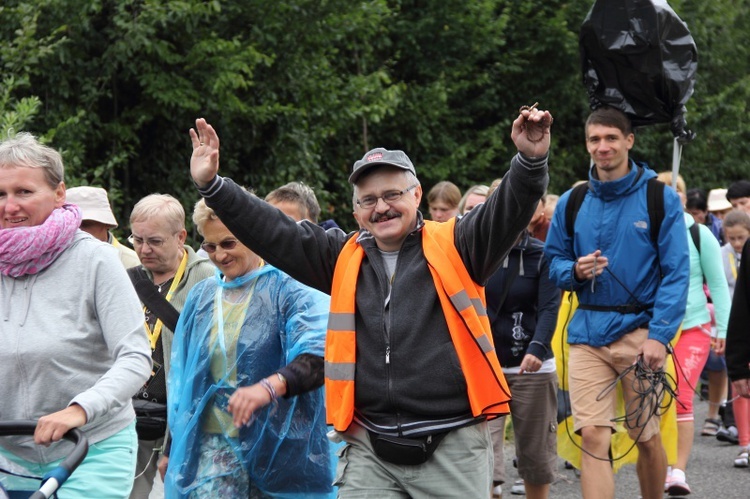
<point x="233" y="334"/>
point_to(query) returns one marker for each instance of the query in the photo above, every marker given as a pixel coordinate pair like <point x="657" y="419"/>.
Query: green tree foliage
<point x="718" y="110"/>
<point x="22" y="51"/>
<point x="300" y="89"/>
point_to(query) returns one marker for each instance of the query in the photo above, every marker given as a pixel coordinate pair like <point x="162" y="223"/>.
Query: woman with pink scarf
<point x="73" y="346"/>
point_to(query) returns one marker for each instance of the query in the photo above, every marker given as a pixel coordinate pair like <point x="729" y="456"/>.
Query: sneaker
<point x="743" y="458"/>
<point x="728" y="435"/>
<point x="668" y="480"/>
<point x="518" y="488"/>
<point x="676" y="484"/>
<point x="497" y="492"/>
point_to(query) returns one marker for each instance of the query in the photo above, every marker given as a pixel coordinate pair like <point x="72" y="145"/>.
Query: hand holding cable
<point x="654" y="354"/>
<point x="590" y="266"/>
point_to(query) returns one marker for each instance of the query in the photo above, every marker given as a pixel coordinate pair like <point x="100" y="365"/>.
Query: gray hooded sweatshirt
<point x="73" y="333"/>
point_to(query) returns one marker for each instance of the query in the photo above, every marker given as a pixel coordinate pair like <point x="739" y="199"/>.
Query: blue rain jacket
<point x="284" y="450"/>
<point x="614" y="218"/>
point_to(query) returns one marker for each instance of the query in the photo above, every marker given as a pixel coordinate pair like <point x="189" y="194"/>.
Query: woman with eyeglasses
<point x="72" y="351"/>
<point x="168" y="271"/>
<point x="246" y="406"/>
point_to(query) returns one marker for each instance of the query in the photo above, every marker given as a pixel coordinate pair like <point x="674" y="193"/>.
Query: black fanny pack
<point x="150" y="419"/>
<point x="411" y="451"/>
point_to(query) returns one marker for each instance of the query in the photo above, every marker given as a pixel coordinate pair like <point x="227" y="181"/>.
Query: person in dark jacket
<point x="738" y="352"/>
<point x="402" y="388"/>
<point x="697" y="205"/>
<point x="522" y="303"/>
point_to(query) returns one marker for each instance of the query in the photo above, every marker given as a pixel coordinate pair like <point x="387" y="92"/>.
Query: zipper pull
<point x="388" y="354"/>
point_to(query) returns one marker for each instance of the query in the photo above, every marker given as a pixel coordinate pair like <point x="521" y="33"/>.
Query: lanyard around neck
<point x="153" y="334"/>
<point x="732" y="265"/>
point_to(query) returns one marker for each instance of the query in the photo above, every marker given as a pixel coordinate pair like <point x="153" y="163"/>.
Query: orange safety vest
<point x="465" y="310"/>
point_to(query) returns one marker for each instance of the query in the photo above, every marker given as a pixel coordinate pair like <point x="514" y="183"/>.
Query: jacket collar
<point x="608" y="191"/>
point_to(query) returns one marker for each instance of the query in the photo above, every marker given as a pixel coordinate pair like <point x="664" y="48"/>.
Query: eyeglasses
<point x="152" y="242"/>
<point x="388" y="197"/>
<point x="227" y="245"/>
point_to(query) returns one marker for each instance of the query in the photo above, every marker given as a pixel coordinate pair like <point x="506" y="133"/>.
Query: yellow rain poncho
<point x="568" y="443"/>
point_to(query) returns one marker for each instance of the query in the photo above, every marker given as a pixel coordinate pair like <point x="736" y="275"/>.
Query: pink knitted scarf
<point x="29" y="250"/>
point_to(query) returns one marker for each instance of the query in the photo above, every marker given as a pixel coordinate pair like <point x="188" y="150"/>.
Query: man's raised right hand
<point x="204" y="163"/>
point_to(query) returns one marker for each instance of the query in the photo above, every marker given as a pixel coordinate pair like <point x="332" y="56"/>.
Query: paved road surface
<point x="710" y="472"/>
<point x="158" y="490"/>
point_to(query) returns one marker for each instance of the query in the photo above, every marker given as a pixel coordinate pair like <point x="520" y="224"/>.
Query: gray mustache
<point x="387" y="215"/>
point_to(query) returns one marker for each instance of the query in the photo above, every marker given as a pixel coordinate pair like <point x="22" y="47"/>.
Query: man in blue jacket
<point x="632" y="293"/>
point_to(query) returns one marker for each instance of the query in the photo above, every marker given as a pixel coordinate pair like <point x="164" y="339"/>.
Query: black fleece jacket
<point x="524" y="321"/>
<point x="738" y="330"/>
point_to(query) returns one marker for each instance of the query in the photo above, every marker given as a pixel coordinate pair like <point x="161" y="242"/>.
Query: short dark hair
<point x="297" y="192"/>
<point x="610" y="116"/>
<point x="739" y="189"/>
<point x="697" y="199"/>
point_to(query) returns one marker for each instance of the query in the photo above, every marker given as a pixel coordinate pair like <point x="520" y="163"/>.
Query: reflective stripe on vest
<point x="341" y="324"/>
<point x="463" y="304"/>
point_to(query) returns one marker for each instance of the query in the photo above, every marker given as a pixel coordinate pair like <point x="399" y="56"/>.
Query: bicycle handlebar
<point x="56" y="477"/>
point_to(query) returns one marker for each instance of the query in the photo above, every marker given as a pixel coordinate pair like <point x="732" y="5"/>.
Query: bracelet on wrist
<point x="269" y="388"/>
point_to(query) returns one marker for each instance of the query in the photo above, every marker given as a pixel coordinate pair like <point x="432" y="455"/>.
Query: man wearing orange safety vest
<point x="411" y="371"/>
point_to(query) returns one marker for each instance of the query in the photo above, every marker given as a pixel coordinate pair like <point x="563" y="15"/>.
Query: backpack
<point x="654" y="203"/>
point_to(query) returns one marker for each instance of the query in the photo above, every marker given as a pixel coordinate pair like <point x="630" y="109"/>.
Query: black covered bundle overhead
<point x="638" y="56"/>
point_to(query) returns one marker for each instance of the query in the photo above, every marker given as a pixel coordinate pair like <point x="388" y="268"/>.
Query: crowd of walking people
<point x="287" y="358"/>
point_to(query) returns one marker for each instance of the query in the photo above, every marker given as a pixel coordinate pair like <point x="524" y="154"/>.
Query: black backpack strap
<point x="151" y="298"/>
<point x="137" y="273"/>
<point x="695" y="233"/>
<point x="620" y="309"/>
<point x="575" y="200"/>
<point x="655" y="206"/>
<point x="654" y="200"/>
